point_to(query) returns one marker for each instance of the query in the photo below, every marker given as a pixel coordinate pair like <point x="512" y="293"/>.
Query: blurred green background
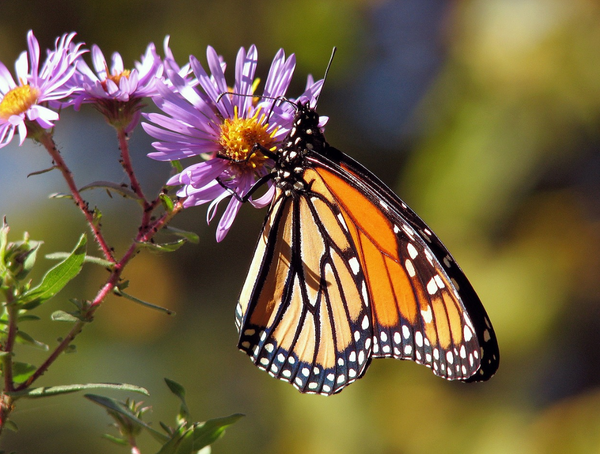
<point x="484" y="115"/>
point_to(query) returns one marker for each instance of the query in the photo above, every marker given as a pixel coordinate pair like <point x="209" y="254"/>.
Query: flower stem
<point x="127" y="165"/>
<point x="6" y="401"/>
<point x="48" y="142"/>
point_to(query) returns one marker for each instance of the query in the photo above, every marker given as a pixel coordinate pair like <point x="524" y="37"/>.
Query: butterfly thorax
<point x="304" y="138"/>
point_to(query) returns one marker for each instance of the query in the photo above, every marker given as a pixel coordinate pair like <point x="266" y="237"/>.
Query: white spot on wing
<point x="410" y="269"/>
<point x="405" y="331"/>
<point x="427" y="315"/>
<point x="354" y="265"/>
<point x="408" y="231"/>
<point x="340" y="217"/>
<point x="365" y="322"/>
<point x="467" y="333"/>
<point x="412" y="251"/>
<point x="432" y="287"/>
<point x="439" y="281"/>
<point x="361" y="357"/>
<point x="419" y="338"/>
<point x="365" y="293"/>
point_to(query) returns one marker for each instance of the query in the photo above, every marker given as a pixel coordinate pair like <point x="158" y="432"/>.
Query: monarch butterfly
<point x="344" y="271"/>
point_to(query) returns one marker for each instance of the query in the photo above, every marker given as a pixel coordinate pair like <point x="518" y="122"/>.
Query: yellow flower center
<point x="239" y="137"/>
<point x="116" y="78"/>
<point x="18" y="101"/>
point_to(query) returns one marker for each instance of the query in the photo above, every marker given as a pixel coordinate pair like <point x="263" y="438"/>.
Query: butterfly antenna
<point x="276" y="99"/>
<point x="326" y="72"/>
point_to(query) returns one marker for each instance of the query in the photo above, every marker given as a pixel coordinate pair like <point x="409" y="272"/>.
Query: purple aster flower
<point x="24" y="105"/>
<point x="170" y="63"/>
<point x="117" y="92"/>
<point x="228" y="128"/>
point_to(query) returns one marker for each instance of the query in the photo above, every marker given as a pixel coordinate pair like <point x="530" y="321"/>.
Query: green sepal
<point x="56" y="278"/>
<point x="26" y="339"/>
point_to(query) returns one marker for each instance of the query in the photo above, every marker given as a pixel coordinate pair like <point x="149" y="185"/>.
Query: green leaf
<point x="209" y="432"/>
<point x="117" y="407"/>
<point x="63" y="316"/>
<point x="177" y="165"/>
<point x="48" y="391"/>
<point x="179" y="391"/>
<point x="97" y="216"/>
<point x="22" y="371"/>
<point x="88" y="259"/>
<point x="167" y="202"/>
<point x="60" y="195"/>
<point x="40" y="172"/>
<point x="164" y="247"/>
<point x="27" y="318"/>
<point x="110" y="186"/>
<point x="24" y="338"/>
<point x="30" y="257"/>
<point x="116" y="440"/>
<point x="56" y="278"/>
<point x="9" y="424"/>
<point x="119" y="292"/>
<point x="182" y="442"/>
<point x="190" y="236"/>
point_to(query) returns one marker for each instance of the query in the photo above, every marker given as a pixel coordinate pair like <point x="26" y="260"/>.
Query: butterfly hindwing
<point x="301" y="316"/>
